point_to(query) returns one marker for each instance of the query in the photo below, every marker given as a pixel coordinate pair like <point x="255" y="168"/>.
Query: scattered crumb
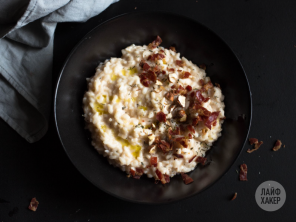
<point x="33" y="204"/>
<point x="135" y="7"/>
<point x="277" y="145"/>
<point x="234" y="196"/>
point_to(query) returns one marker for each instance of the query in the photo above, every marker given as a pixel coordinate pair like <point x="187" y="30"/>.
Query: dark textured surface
<point x="263" y="36"/>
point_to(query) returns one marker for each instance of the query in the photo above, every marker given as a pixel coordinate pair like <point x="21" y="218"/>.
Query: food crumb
<point x="33" y="204"/>
<point x="234" y="196"/>
<point x="135" y="7"/>
<point x="277" y="145"/>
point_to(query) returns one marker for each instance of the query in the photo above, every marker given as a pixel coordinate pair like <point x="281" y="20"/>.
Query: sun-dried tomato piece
<point x="210" y="119"/>
<point x="253" y="141"/>
<point x="196" y="120"/>
<point x="185" y="75"/>
<point x="160" y="176"/>
<point x="243" y="172"/>
<point x="33" y="204"/>
<point x="173" y="48"/>
<point x="192" y="158"/>
<point x="155" y="43"/>
<point x="201" y="160"/>
<point x="191" y="129"/>
<point x="188" y="88"/>
<point x="189" y="136"/>
<point x="146" y="67"/>
<point x="160" y="116"/>
<point x="163" y="72"/>
<point x="180" y="63"/>
<point x="171" y="69"/>
<point x="277" y="145"/>
<point x="187" y="179"/>
<point x="161" y="51"/>
<point x="153" y="161"/>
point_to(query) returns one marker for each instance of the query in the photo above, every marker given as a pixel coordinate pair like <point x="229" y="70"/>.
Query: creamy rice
<point x="120" y="112"/>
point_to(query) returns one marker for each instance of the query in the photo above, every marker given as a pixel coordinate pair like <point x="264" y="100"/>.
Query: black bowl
<point x="194" y="41"/>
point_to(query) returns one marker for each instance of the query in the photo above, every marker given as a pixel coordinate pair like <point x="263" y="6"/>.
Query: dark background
<point x="263" y="36"/>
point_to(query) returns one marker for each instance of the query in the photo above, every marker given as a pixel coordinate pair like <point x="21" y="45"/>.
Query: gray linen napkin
<point x="26" y="51"/>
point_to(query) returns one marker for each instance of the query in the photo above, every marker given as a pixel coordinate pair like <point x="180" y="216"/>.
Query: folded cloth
<point x="26" y="52"/>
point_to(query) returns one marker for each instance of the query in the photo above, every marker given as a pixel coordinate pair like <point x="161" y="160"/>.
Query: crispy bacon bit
<point x="180" y="63"/>
<point x="201" y="82"/>
<point x="218" y="85"/>
<point x="182" y="140"/>
<point x="167" y="178"/>
<point x="169" y="96"/>
<point x="145" y="82"/>
<point x="208" y="85"/>
<point x="256" y="147"/>
<point x="163" y="72"/>
<point x="161" y="117"/>
<point x="153" y="161"/>
<point x="243" y="172"/>
<point x="189" y="136"/>
<point x="171" y="69"/>
<point x="206" y="99"/>
<point x="199" y="96"/>
<point x="253" y="141"/>
<point x="33" y="204"/>
<point x="234" y="196"/>
<point x="151" y="76"/>
<point x="139" y="172"/>
<point x="178" y="155"/>
<point x="160" y="176"/>
<point x="176" y="131"/>
<point x="209" y="120"/>
<point x="156" y="56"/>
<point x="191" y="129"/>
<point x="173" y="48"/>
<point x="165" y="146"/>
<point x="192" y="159"/>
<point x="133" y="173"/>
<point x="277" y="145"/>
<point x="185" y="75"/>
<point x="161" y="51"/>
<point x="203" y="66"/>
<point x="188" y="88"/>
<point x="146" y="67"/>
<point x="187" y="179"/>
<point x="201" y="160"/>
<point x="196" y="120"/>
<point x="155" y="43"/>
<point x="201" y="110"/>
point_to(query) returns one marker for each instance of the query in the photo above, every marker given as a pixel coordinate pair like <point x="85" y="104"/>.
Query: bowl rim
<point x="135" y="13"/>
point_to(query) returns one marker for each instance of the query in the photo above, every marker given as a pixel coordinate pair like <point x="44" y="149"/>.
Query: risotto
<point x="153" y="112"/>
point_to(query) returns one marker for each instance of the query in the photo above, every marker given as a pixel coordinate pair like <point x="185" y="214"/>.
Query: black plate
<point x="194" y="41"/>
